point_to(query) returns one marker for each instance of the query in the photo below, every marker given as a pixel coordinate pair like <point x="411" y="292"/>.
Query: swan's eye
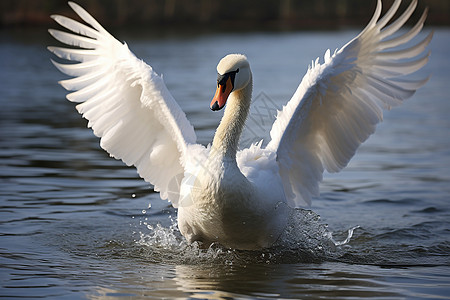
<point x="222" y="79"/>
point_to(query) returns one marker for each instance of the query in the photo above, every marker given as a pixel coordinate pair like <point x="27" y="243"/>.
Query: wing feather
<point x="83" y="14"/>
<point x="406" y="37"/>
<point x="389" y="14"/>
<point x="78" y="69"/>
<point x="74" y="39"/>
<point x="80" y="55"/>
<point x="397" y="24"/>
<point x="339" y="103"/>
<point x="76" y="27"/>
<point x="83" y="81"/>
<point x="408" y="52"/>
<point x="127" y="104"/>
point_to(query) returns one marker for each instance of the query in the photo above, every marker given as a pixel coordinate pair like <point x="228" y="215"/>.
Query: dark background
<point x="205" y="15"/>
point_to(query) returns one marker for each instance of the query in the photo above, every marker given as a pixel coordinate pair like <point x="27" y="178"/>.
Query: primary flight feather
<point x="240" y="198"/>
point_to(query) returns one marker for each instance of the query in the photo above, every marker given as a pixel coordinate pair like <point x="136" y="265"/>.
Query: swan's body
<point x="240" y="198"/>
<point x="219" y="201"/>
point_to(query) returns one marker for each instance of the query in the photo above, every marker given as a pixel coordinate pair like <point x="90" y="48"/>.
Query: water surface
<point x="75" y="223"/>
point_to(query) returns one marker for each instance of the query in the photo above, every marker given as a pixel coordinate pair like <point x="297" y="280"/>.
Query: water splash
<point x="306" y="239"/>
<point x="347" y="239"/>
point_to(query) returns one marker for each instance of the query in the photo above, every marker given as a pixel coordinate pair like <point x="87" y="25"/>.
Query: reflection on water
<point x="327" y="280"/>
<point x="75" y="223"/>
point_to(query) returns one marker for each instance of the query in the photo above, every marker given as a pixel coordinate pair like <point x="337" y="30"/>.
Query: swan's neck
<point x="226" y="139"/>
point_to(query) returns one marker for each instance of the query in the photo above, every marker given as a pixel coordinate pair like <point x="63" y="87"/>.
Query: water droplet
<point x="133" y="195"/>
<point x="149" y="205"/>
<point x="144" y="211"/>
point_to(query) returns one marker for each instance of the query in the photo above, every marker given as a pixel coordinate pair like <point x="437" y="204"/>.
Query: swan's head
<point x="233" y="75"/>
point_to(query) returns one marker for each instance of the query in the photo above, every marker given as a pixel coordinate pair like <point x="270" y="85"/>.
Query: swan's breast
<point x="226" y="207"/>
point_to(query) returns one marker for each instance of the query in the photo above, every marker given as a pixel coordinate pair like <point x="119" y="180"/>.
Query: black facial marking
<point x="222" y="79"/>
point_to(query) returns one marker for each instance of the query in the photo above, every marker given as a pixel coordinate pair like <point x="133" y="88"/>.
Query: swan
<point x="240" y="198"/>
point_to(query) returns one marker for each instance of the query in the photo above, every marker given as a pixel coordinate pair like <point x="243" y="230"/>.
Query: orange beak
<point x="221" y="96"/>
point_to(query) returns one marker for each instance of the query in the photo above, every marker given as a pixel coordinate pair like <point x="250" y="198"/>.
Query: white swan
<point x="240" y="198"/>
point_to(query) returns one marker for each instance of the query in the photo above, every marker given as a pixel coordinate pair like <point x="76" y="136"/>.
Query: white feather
<point x="240" y="198"/>
<point x="338" y="103"/>
<point x="126" y="102"/>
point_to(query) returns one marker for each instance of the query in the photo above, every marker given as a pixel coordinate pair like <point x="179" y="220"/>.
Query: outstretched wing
<point x="127" y="104"/>
<point x="338" y="103"/>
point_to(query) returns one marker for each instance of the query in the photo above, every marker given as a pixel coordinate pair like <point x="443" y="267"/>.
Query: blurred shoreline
<point x="192" y="15"/>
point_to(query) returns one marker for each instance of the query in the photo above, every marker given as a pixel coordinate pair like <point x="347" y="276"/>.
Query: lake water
<point x="75" y="223"/>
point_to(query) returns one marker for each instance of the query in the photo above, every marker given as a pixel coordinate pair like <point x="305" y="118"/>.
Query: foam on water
<point x="306" y="239"/>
